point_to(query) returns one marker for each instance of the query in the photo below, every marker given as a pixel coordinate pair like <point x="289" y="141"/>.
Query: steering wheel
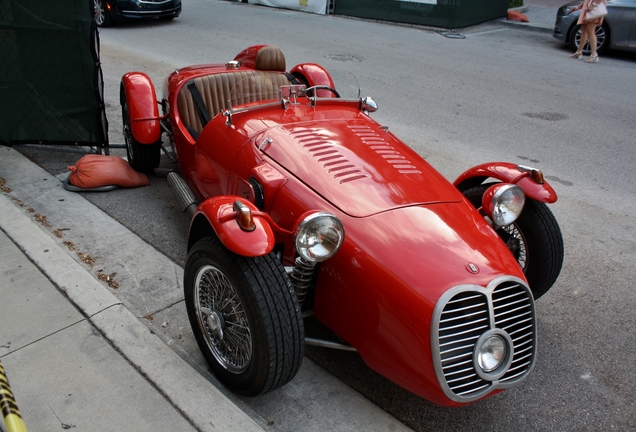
<point x="322" y="87"/>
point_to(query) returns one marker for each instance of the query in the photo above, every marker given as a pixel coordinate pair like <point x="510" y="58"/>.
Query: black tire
<point x="253" y="300"/>
<point x="142" y="157"/>
<point x="534" y="239"/>
<point x="100" y="13"/>
<point x="602" y="36"/>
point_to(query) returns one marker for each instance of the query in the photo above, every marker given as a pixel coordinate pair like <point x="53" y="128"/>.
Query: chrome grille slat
<point x="472" y="376"/>
<point x="509" y="311"/>
<point x="521" y="344"/>
<point x="521" y="351"/>
<point x="528" y="315"/>
<point x="477" y="316"/>
<point x="517" y="367"/>
<point x="509" y="377"/>
<point x="520" y="330"/>
<point x="500" y="323"/>
<point x="458" y="348"/>
<point x="461" y="371"/>
<point x="473" y="330"/>
<point x="463" y="325"/>
<point x="516" y="359"/>
<point x="474" y="390"/>
<point x="467" y="308"/>
<point x="508" y="288"/>
<point x="456" y="357"/>
<point x="502" y="299"/>
<point x="458" y="341"/>
<point x="458" y="364"/>
<point x="474" y="297"/>
<point x="477" y="381"/>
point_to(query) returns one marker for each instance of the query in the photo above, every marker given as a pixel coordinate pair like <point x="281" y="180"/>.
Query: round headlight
<point x="503" y="203"/>
<point x="491" y="353"/>
<point x="319" y="236"/>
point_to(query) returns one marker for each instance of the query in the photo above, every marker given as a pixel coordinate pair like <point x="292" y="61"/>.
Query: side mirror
<point x="368" y="105"/>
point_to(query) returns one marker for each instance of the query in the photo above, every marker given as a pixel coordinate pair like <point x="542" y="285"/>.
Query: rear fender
<point x="139" y="93"/>
<point x="315" y="75"/>
<point x="508" y="173"/>
<point x="217" y="216"/>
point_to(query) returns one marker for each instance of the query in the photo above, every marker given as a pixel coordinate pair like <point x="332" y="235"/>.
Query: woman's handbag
<point x="599" y="11"/>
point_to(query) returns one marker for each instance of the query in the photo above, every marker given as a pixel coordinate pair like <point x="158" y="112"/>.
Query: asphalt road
<point x="499" y="94"/>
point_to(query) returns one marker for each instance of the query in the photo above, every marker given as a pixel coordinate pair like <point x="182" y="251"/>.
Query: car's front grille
<point x="462" y="316"/>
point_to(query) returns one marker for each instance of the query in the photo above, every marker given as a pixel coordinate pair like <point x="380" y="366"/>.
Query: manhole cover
<point x="344" y="57"/>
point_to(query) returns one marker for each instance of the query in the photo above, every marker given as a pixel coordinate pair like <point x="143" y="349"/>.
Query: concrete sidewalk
<point x="63" y="372"/>
<point x="77" y="358"/>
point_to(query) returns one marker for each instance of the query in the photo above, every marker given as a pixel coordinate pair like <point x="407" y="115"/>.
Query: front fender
<point x="508" y="173"/>
<point x="217" y="215"/>
<point x="315" y="75"/>
<point x="139" y="93"/>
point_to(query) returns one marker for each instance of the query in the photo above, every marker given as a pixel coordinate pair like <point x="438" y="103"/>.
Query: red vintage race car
<point x="302" y="204"/>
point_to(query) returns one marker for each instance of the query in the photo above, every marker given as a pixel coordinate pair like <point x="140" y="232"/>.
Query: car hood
<point x="356" y="165"/>
<point x="423" y="251"/>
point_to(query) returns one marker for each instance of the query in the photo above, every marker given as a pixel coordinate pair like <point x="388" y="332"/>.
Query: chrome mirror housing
<point x="368" y="105"/>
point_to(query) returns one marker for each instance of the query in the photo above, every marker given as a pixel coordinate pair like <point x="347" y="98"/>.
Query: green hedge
<point x="515" y="3"/>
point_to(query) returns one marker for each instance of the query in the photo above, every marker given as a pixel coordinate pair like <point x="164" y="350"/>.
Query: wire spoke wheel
<point x="516" y="244"/>
<point x="245" y="317"/>
<point x="221" y="314"/>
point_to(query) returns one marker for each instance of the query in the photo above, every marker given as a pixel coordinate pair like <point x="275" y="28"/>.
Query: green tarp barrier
<point x="51" y="86"/>
<point x="435" y="13"/>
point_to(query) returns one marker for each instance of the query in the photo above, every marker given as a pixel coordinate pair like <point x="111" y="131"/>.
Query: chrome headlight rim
<point x="318" y="250"/>
<point x="496" y="372"/>
<point x="503" y="203"/>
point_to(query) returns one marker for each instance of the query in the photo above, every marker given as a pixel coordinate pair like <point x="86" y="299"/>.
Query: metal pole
<point x="8" y="405"/>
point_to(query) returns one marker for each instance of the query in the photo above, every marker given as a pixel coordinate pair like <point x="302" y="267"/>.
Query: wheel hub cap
<point x="215" y="324"/>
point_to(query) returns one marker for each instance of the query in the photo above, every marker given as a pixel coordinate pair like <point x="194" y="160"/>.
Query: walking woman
<point x="588" y="29"/>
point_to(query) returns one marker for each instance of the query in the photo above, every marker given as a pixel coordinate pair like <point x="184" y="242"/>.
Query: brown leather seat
<point x="240" y="86"/>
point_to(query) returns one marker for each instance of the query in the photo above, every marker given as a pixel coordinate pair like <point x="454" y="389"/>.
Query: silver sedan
<point x="617" y="32"/>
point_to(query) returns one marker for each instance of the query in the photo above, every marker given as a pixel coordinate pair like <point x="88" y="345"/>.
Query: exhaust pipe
<point x="185" y="196"/>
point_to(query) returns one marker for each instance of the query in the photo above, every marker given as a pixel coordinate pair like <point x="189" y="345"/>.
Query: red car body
<point x="416" y="253"/>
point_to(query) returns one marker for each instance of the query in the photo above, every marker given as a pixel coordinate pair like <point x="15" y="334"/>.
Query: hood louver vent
<point x="329" y="156"/>
<point x="393" y="157"/>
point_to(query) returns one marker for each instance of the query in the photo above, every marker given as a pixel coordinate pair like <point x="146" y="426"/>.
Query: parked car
<point x="108" y="12"/>
<point x="301" y="204"/>
<point x="617" y="32"/>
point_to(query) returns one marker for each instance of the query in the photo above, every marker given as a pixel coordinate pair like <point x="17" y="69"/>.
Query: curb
<point x="196" y="398"/>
